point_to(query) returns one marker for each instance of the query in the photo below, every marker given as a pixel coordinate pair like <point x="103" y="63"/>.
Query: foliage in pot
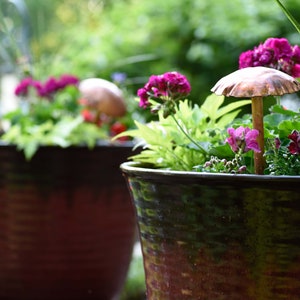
<point x="212" y="138"/>
<point x="65" y="111"/>
<point x="216" y="194"/>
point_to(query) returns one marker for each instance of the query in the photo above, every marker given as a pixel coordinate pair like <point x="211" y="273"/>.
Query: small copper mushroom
<point x="256" y="83"/>
<point x="103" y="95"/>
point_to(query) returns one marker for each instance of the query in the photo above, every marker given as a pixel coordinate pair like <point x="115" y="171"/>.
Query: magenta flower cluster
<point x="46" y="89"/>
<point x="276" y="53"/>
<point x="168" y="86"/>
<point x="243" y="139"/>
<point x="294" y="146"/>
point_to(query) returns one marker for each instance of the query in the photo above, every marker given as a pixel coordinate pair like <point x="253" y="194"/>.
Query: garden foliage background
<point x="202" y="39"/>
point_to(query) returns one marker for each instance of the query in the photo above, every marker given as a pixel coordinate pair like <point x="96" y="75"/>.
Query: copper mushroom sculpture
<point x="256" y="83"/>
<point x="104" y="96"/>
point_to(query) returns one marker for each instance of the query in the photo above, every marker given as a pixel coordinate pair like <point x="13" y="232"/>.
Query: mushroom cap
<point x="256" y="82"/>
<point x="103" y="96"/>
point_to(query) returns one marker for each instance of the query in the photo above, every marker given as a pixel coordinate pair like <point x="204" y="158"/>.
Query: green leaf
<point x="272" y="120"/>
<point x="223" y="151"/>
<point x="30" y="149"/>
<point x="227" y="119"/>
<point x="289" y="16"/>
<point x="232" y="106"/>
<point x="287" y="126"/>
<point x="64" y="127"/>
<point x="211" y="106"/>
<point x="283" y="111"/>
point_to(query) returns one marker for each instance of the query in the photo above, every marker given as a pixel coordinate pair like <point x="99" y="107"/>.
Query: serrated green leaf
<point x="230" y="107"/>
<point x="211" y="105"/>
<point x="227" y="119"/>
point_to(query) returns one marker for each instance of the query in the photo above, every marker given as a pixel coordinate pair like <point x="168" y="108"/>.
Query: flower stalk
<point x="289" y="16"/>
<point x="258" y="124"/>
<point x="202" y="150"/>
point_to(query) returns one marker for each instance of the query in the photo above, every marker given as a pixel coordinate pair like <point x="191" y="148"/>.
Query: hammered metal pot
<point x="217" y="236"/>
<point x="67" y="225"/>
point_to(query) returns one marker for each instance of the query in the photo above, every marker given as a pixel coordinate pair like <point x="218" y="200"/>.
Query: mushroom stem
<point x="258" y="124"/>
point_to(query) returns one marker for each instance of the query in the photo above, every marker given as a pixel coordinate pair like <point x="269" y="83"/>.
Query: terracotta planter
<point x="67" y="225"/>
<point x="214" y="236"/>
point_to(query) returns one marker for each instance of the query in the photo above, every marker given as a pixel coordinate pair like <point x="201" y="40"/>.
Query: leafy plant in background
<point x="54" y="113"/>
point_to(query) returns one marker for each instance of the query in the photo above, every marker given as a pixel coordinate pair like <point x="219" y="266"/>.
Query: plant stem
<point x="289" y="16"/>
<point x="188" y="136"/>
<point x="258" y="124"/>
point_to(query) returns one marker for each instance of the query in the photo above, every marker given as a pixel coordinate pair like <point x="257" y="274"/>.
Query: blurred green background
<point x="202" y="39"/>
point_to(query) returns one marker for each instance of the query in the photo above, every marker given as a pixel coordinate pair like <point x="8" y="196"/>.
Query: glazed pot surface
<point x="217" y="236"/>
<point x="67" y="224"/>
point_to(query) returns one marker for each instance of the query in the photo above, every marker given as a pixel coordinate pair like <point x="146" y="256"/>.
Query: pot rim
<point x="137" y="170"/>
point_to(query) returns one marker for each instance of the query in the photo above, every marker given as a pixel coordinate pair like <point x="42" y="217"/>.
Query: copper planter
<point x="214" y="236"/>
<point x="67" y="226"/>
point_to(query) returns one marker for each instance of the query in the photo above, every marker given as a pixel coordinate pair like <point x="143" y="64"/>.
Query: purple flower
<point x="243" y="138"/>
<point x="50" y="86"/>
<point x="274" y="53"/>
<point x="47" y="89"/>
<point x="177" y="84"/>
<point x="119" y="77"/>
<point x="168" y="86"/>
<point x="23" y="86"/>
<point x="280" y="47"/>
<point x="296" y="54"/>
<point x="143" y="95"/>
<point x="296" y="71"/>
<point x="266" y="57"/>
<point x="246" y="59"/>
<point x="157" y="86"/>
<point x="277" y="143"/>
<point x="294" y="146"/>
<point x="53" y="85"/>
<point x="66" y="80"/>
